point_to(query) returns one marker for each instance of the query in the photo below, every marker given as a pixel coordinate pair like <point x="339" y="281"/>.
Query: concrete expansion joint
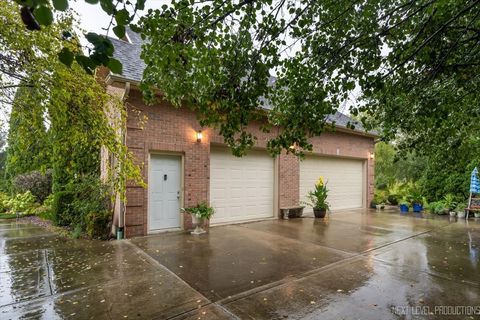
<point x="47" y="267"/>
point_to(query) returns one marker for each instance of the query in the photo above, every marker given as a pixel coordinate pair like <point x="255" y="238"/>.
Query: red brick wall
<point x="173" y="130"/>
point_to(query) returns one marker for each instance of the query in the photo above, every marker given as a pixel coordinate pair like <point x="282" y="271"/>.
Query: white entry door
<point x="241" y="188"/>
<point x="164" y="192"/>
<point x="344" y="176"/>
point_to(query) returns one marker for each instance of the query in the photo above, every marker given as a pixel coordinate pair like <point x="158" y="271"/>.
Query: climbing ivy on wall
<point x="70" y="102"/>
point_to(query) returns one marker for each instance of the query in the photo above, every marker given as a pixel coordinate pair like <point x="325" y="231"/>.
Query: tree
<point x="73" y="101"/>
<point x="27" y="137"/>
<point x="217" y="56"/>
<point x="3" y="141"/>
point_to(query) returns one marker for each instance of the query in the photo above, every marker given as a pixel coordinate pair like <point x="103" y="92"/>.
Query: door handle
<point x="178" y="195"/>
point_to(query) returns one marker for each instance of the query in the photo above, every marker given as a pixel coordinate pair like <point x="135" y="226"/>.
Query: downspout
<point x="121" y="217"/>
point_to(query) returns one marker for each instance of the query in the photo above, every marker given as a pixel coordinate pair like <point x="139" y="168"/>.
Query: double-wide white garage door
<point x="344" y="176"/>
<point x="241" y="188"/>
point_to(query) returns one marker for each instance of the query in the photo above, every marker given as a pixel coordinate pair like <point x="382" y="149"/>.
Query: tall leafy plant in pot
<point x="200" y="213"/>
<point x="318" y="199"/>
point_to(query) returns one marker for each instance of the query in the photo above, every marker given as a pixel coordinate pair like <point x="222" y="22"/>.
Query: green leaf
<point x="140" y="5"/>
<point x="87" y="64"/>
<point x="107" y="6"/>
<point x="122" y="17"/>
<point x="115" y="66"/>
<point x="119" y="31"/>
<point x="93" y="38"/>
<point x="60" y="5"/>
<point x="66" y="57"/>
<point x="135" y="28"/>
<point x="92" y="1"/>
<point x="43" y="15"/>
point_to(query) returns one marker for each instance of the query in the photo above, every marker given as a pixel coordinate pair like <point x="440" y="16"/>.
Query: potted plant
<point x="439" y="208"/>
<point x="404" y="205"/>
<point x="416" y="200"/>
<point x="460" y="209"/>
<point x="318" y="199"/>
<point x="200" y="213"/>
<point x="449" y="203"/>
<point x="417" y="205"/>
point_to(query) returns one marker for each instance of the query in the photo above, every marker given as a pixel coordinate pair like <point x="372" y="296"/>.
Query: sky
<point x="93" y="18"/>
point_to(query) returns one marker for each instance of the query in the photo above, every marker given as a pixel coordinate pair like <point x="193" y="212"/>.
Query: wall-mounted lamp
<point x="199" y="136"/>
<point x="372" y="155"/>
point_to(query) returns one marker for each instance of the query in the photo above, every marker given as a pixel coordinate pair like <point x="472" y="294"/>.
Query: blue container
<point x="417" y="207"/>
<point x="403" y="208"/>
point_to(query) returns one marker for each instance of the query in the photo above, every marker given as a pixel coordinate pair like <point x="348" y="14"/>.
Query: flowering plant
<point x="318" y="196"/>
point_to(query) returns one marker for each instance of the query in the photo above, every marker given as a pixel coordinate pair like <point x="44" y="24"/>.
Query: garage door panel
<point x="241" y="188"/>
<point x="344" y="177"/>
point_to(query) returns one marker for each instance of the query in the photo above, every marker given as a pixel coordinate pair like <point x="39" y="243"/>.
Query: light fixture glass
<point x="372" y="155"/>
<point x="199" y="135"/>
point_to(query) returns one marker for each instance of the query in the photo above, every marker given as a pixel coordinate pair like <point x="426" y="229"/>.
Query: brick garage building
<point x="181" y="171"/>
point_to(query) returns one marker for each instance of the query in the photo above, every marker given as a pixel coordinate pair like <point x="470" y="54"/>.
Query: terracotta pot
<point x="319" y="213"/>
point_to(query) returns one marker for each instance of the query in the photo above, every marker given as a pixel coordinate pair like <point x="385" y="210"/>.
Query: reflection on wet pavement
<point x="354" y="265"/>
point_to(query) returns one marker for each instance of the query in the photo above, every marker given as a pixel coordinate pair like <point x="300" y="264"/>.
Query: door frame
<point x="332" y="156"/>
<point x="181" y="156"/>
<point x="276" y="181"/>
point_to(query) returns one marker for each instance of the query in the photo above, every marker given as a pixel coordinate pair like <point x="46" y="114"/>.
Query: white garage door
<point x="241" y="188"/>
<point x="344" y="176"/>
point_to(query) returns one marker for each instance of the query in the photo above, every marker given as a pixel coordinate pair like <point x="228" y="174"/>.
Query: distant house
<point x="181" y="171"/>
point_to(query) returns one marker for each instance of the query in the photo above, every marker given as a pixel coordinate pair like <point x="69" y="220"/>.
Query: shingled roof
<point x="128" y="53"/>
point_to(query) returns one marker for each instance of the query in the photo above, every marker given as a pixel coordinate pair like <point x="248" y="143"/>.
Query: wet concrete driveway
<point x="354" y="265"/>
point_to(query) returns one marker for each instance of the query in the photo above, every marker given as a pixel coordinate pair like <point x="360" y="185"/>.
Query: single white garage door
<point x="241" y="188"/>
<point x="344" y="176"/>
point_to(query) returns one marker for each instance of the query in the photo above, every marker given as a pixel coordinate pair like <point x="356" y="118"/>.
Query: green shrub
<point x="40" y="185"/>
<point x="62" y="209"/>
<point x="83" y="205"/>
<point x="450" y="201"/>
<point x="45" y="211"/>
<point x="77" y="231"/>
<point x="23" y="203"/>
<point x="380" y="196"/>
<point x="393" y="199"/>
<point x="438" y="207"/>
<point x="3" y="202"/>
<point x="97" y="224"/>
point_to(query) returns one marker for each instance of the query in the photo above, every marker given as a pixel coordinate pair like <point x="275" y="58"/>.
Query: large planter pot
<point x="319" y="213"/>
<point x="453" y="214"/>
<point x="417" y="207"/>
<point x="403" y="208"/>
<point x="198" y="224"/>
<point x="461" y="214"/>
<point x="476" y="214"/>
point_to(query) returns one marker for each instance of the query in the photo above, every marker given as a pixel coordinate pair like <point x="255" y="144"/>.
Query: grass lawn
<point x="7" y="216"/>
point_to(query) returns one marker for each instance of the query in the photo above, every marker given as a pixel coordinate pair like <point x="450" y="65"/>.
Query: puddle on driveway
<point x="368" y="266"/>
<point x="49" y="277"/>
